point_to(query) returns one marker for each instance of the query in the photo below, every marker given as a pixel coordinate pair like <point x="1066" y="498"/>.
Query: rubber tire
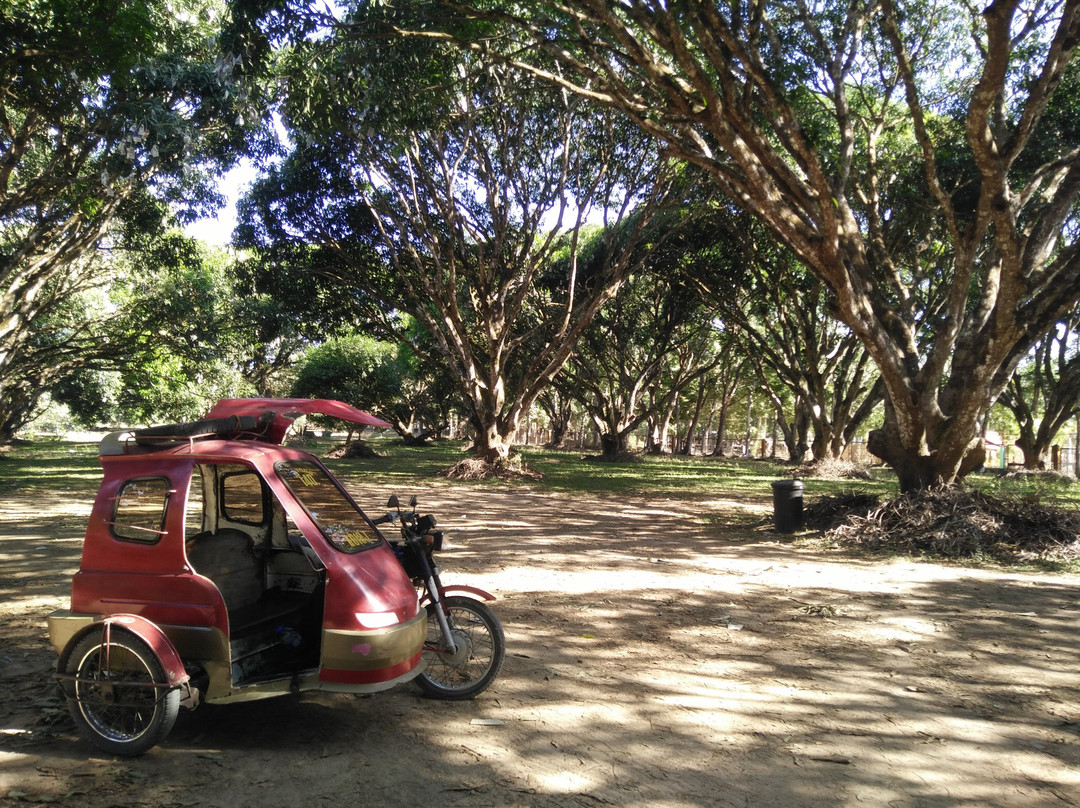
<point x="119" y="729"/>
<point x="472" y="622"/>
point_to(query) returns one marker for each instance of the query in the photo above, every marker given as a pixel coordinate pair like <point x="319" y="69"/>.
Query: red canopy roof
<point x="288" y="409"/>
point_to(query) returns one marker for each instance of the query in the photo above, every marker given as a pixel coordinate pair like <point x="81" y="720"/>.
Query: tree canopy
<point x="99" y="102"/>
<point x="453" y="205"/>
<point x="447" y="163"/>
<point x="934" y="197"/>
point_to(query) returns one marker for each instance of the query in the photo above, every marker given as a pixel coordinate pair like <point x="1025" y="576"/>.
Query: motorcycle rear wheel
<point x="481" y="647"/>
<point x="117" y="699"/>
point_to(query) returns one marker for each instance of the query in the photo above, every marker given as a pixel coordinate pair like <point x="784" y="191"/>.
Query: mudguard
<point x="146" y="631"/>
<point x="454" y="589"/>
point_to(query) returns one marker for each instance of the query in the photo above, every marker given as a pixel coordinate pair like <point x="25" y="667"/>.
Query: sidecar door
<point x="373" y="629"/>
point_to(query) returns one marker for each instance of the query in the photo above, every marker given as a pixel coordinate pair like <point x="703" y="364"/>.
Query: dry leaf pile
<point x="473" y="468"/>
<point x="961" y="523"/>
<point x="834" y="469"/>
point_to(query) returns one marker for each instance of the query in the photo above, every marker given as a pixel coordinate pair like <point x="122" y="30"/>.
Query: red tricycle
<point x="220" y="566"/>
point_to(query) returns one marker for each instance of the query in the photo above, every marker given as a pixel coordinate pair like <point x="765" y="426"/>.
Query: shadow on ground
<point x="652" y="661"/>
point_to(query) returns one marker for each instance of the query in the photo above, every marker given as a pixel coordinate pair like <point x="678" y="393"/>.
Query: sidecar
<point x="221" y="566"/>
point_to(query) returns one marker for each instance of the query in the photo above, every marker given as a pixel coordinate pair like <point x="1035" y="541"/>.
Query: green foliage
<point x="381" y="377"/>
<point x="107" y="110"/>
<point x="355" y="369"/>
<point x="163" y="339"/>
<point x="426" y="180"/>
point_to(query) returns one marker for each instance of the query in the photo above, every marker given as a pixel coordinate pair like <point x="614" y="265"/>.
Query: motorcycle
<point x="220" y="566"/>
<point x="465" y="644"/>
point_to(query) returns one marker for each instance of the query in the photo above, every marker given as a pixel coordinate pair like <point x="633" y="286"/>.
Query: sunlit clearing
<point x="565" y="782"/>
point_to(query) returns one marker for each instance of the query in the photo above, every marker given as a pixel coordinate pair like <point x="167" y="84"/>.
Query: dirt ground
<point x="655" y="658"/>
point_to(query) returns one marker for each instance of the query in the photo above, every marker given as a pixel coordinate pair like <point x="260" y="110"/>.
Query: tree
<point x="381" y="377"/>
<point x="161" y="338"/>
<point x="641" y="350"/>
<point x="558" y="405"/>
<point x="785" y="327"/>
<point x="1045" y="391"/>
<point x="780" y="315"/>
<point x="809" y="115"/>
<point x="694" y="356"/>
<point x="99" y="101"/>
<point x="451" y="218"/>
<point x="725" y="380"/>
<point x="287" y="297"/>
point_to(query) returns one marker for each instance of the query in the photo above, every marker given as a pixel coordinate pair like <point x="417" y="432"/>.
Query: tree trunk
<point x="612" y="445"/>
<point x="653" y="445"/>
<point x="919" y="469"/>
<point x="800" y="431"/>
<point x="489" y="444"/>
<point x="749" y="412"/>
<point x="559" y="412"/>
<point x="795" y="432"/>
<point x="695" y="419"/>
<point x="721" y="429"/>
<point x="1034" y="454"/>
<point x="558" y="435"/>
<point x="15" y="412"/>
<point x="706" y="433"/>
<point x="827" y="444"/>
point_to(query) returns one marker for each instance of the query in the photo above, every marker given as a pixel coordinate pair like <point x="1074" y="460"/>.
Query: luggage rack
<point x="233" y="427"/>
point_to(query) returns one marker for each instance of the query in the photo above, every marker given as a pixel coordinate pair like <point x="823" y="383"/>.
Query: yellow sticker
<point x="355" y="538"/>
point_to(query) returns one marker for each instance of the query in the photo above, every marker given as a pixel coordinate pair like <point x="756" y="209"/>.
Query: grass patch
<point x="64" y="466"/>
<point x="572" y="473"/>
<point x="1041" y="487"/>
<point x="53" y="464"/>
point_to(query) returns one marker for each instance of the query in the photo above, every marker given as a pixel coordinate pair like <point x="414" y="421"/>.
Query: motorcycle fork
<point x="434" y="589"/>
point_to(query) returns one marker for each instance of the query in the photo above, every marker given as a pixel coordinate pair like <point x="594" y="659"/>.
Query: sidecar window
<point x="139" y="512"/>
<point x="338" y="519"/>
<point x="242" y="498"/>
<point x="193" y="513"/>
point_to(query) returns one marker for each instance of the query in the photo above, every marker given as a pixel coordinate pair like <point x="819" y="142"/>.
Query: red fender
<point x="146" y="631"/>
<point x="476" y="592"/>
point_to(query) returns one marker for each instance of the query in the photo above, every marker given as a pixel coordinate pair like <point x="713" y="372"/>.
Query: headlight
<point x="377" y="619"/>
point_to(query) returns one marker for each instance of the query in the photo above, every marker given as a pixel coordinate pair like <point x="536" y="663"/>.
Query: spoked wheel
<point x="480" y="648"/>
<point x="117" y="698"/>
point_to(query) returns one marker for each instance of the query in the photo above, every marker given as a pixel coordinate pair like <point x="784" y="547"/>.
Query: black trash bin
<point x="787" y="505"/>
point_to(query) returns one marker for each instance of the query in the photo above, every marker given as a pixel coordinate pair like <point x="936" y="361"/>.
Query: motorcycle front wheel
<point x="477" y="658"/>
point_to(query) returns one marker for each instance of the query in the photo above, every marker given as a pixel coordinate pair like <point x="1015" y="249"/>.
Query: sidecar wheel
<point x="481" y="647"/>
<point x="112" y="698"/>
